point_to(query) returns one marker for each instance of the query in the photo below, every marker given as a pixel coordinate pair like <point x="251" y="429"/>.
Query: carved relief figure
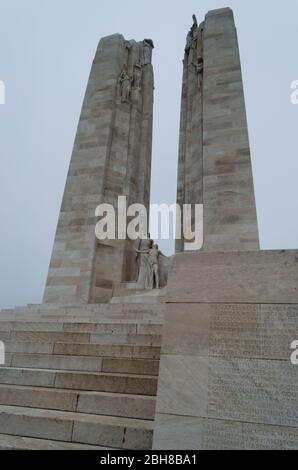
<point x="188" y="42"/>
<point x="199" y="66"/>
<point x="127" y="48"/>
<point x="137" y="77"/>
<point x="125" y="85"/>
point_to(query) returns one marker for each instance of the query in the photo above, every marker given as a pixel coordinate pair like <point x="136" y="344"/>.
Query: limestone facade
<point x="214" y="154"/>
<point x="111" y="157"/>
<point x="226" y="380"/>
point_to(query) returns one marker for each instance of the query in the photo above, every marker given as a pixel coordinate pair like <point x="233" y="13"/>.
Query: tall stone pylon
<point x="111" y="157"/>
<point x="214" y="154"/>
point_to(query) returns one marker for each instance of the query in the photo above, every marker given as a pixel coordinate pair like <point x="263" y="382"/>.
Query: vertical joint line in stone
<point x="202" y="106"/>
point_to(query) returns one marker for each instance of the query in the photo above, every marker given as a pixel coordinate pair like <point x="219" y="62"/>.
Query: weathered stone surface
<point x="28" y="443"/>
<point x="214" y="155"/>
<point x="105" y="382"/>
<point x="111" y="157"/>
<point x="132" y="406"/>
<point x="27" y="347"/>
<point x="188" y="433"/>
<point x="174" y="432"/>
<point x="183" y="385"/>
<point x="76" y="427"/>
<point x="131" y="366"/>
<point x="49" y="336"/>
<point x="124" y="434"/>
<point x="56" y="390"/>
<point x="226" y="377"/>
<point x="263" y="437"/>
<point x="146" y="340"/>
<point x="44" y="361"/>
<point x="34" y="423"/>
<point x="257" y="391"/>
<point x="37" y="397"/>
<point x="262" y="331"/>
<point x="98" y="403"/>
<point x="16" y="376"/>
<point x="235" y="277"/>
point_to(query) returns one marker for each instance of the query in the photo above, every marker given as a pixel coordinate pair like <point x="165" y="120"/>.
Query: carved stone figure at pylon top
<point x="192" y="35"/>
<point x="147" y="51"/>
<point x="149" y="42"/>
<point x="195" y="22"/>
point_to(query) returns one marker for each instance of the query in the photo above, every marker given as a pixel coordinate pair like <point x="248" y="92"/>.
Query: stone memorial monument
<point x="134" y="350"/>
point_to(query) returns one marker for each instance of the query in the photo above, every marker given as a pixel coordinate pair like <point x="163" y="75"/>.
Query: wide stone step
<point x="80" y="327"/>
<point x="96" y="381"/>
<point x="128" y="317"/>
<point x="123" y="318"/>
<point x="114" y="328"/>
<point x="8" y="442"/>
<point x="95" y="310"/>
<point x="69" y="337"/>
<point x="85" y="363"/>
<point x="101" y="403"/>
<point x="83" y="349"/>
<point x="41" y="336"/>
<point x="152" y="297"/>
<point x="136" y="339"/>
<point x="107" y="431"/>
<point x="78" y="309"/>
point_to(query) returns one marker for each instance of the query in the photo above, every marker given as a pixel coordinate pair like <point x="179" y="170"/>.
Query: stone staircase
<point x="80" y="377"/>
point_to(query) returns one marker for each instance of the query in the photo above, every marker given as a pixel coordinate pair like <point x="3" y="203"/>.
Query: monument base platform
<point x="226" y="379"/>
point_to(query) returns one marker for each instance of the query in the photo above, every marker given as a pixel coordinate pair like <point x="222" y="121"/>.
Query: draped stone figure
<point x="143" y="280"/>
<point x="199" y="66"/>
<point x="149" y="265"/>
<point x="147" y="51"/>
<point x="191" y="40"/>
<point x="137" y="77"/>
<point x="125" y="86"/>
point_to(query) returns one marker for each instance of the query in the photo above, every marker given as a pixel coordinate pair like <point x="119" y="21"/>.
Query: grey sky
<point x="46" y="50"/>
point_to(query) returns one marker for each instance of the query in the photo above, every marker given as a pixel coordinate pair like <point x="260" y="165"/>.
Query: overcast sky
<point x="46" y="51"/>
